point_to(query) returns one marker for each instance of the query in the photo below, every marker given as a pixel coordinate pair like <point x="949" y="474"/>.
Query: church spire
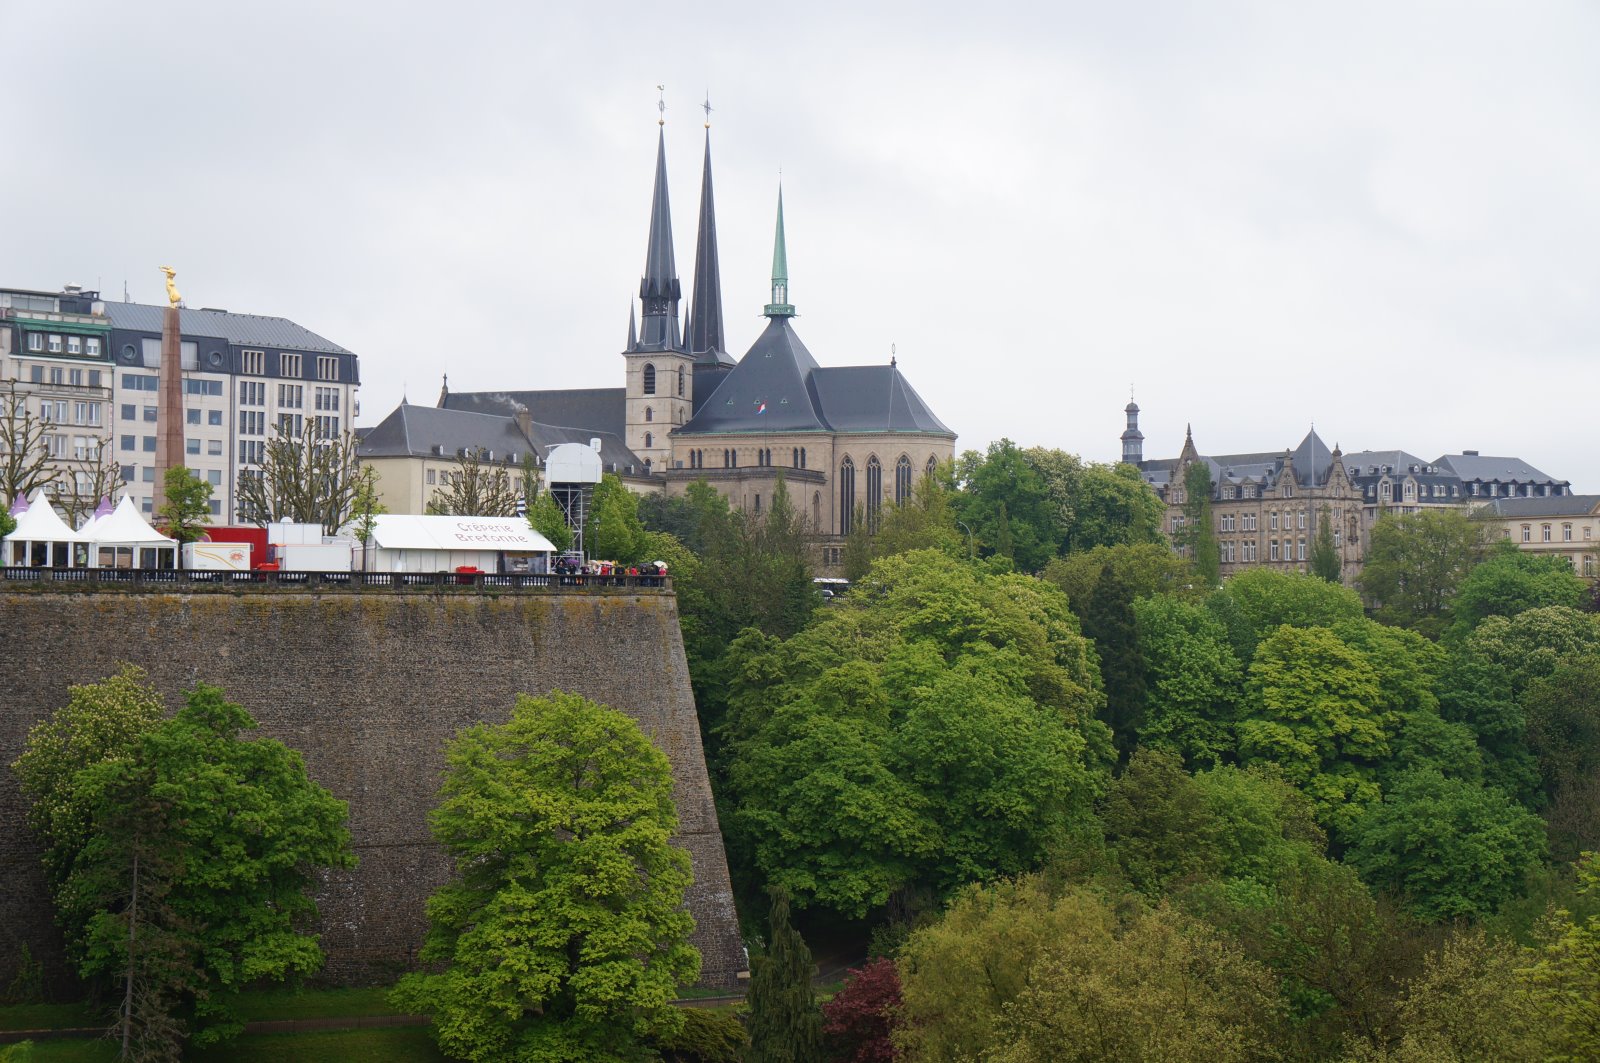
<point x="659" y="289"/>
<point x="780" y="305"/>
<point x="704" y="335"/>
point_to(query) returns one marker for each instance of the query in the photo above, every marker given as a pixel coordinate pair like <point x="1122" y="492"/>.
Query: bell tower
<point x="660" y="368"/>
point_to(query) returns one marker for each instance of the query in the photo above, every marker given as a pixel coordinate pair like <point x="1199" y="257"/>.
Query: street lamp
<point x="972" y="549"/>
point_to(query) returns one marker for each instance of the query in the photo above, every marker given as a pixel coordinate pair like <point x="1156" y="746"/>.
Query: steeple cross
<point x="706" y="107"/>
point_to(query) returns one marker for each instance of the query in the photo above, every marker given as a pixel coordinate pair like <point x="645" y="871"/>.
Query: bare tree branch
<point x="308" y="479"/>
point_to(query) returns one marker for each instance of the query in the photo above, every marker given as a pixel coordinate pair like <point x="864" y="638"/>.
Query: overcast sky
<point x="1378" y="217"/>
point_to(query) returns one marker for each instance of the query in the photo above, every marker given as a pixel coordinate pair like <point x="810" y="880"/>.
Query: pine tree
<point x="1109" y="621"/>
<point x="1324" y="555"/>
<point x="785" y="1023"/>
<point x="1199" y="535"/>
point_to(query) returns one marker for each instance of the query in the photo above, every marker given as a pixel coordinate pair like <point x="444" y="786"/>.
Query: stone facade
<point x="368" y="687"/>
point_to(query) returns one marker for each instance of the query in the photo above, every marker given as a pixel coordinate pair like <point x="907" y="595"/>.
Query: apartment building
<point x="243" y="374"/>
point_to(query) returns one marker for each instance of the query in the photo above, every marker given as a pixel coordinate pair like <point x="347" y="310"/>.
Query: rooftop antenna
<point x="125" y="291"/>
<point x="661" y="105"/>
<point x="892" y="360"/>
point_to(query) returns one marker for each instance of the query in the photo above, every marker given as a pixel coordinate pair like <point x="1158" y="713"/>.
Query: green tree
<point x="1563" y="734"/>
<point x="1477" y="693"/>
<point x="1508" y="582"/>
<point x="925" y="521"/>
<point x="1193" y="678"/>
<point x="614" y="531"/>
<point x="1114" y="507"/>
<point x="546" y="518"/>
<point x="1008" y="506"/>
<point x="187" y="504"/>
<point x="8" y="523"/>
<point x="1199" y="534"/>
<point x="1564" y="973"/>
<point x="1017" y="972"/>
<point x="1264" y="828"/>
<point x="1147" y="569"/>
<point x="100" y="721"/>
<point x="785" y="1023"/>
<point x="1325" y="562"/>
<point x="193" y="879"/>
<point x="1532" y="643"/>
<point x="1109" y="623"/>
<point x="1313" y="708"/>
<point x="1256" y="603"/>
<point x="1158" y="825"/>
<point x="367" y="505"/>
<point x="936" y="726"/>
<point x="564" y="935"/>
<point x="1415" y="562"/>
<point x="1449" y="847"/>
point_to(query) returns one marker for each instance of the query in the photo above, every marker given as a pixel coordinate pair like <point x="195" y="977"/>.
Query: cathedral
<point x="847" y="440"/>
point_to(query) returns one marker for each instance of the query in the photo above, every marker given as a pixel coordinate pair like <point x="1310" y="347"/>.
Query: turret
<point x="1133" y="439"/>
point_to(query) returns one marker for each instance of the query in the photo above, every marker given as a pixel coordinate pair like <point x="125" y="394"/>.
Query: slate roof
<point x="1398" y="460"/>
<point x="873" y="398"/>
<point x="414" y="431"/>
<point x="601" y="409"/>
<point x="801" y="396"/>
<point x="774" y="371"/>
<point x="249" y="330"/>
<point x="1554" y="506"/>
<point x="1486" y="467"/>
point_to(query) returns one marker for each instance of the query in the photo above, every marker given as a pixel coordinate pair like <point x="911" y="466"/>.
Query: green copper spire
<point x="780" y="306"/>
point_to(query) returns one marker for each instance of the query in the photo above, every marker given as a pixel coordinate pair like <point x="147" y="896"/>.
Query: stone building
<point x="1565" y="526"/>
<point x="1267" y="507"/>
<point x="845" y="439"/>
<point x="1400" y="481"/>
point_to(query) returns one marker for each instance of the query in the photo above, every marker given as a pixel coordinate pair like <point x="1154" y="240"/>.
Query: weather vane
<point x="661" y="105"/>
<point x="706" y="107"/>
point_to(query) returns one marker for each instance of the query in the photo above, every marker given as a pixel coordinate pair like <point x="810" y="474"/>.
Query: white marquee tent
<point x="408" y="542"/>
<point x="42" y="539"/>
<point x="126" y="540"/>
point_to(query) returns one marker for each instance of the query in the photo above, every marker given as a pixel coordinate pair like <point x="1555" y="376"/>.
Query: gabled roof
<point x="597" y="409"/>
<point x="872" y="398"/>
<point x="1554" y="506"/>
<point x="1486" y="467"/>
<point x="414" y="431"/>
<point x="249" y="330"/>
<point x="774" y="374"/>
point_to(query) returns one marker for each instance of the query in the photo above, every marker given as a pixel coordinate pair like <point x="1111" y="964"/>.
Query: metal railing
<point x="198" y="579"/>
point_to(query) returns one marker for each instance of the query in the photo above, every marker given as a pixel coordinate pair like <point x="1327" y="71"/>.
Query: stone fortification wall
<point x="369" y="687"/>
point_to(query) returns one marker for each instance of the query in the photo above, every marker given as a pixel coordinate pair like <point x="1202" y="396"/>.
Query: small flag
<point x="761" y="405"/>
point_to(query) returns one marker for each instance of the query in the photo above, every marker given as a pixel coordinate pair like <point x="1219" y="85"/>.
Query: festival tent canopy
<point x="41" y="538"/>
<point x="123" y="537"/>
<point x="408" y="542"/>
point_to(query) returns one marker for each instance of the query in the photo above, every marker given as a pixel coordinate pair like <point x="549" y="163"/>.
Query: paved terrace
<point x="209" y="580"/>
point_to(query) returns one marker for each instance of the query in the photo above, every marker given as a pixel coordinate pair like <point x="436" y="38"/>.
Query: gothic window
<point x="680" y="383"/>
<point x="649" y="379"/>
<point x="794" y="461"/>
<point x="647" y="443"/>
<point x="874" y="493"/>
<point x="933" y="465"/>
<point x="847" y="494"/>
<point x="816" y="509"/>
<point x="902" y="481"/>
<point x="802" y="457"/>
<point x="649" y="414"/>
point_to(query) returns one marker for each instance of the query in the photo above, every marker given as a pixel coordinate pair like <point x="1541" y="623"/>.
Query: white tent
<point x="125" y="540"/>
<point x="407" y="542"/>
<point x="103" y="510"/>
<point x="42" y="539"/>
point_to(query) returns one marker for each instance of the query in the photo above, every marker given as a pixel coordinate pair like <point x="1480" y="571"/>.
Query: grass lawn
<point x="314" y="1003"/>
<point x="48" y="1016"/>
<point x="404" y="1044"/>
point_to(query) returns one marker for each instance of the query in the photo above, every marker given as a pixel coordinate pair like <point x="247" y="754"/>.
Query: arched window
<point x="649" y="379"/>
<point x="647" y="441"/>
<point x="902" y="481"/>
<point x="758" y="503"/>
<point x="874" y="493"/>
<point x="794" y="461"/>
<point x="847" y="494"/>
<point x="647" y="465"/>
<point x="680" y="383"/>
<point x="802" y="457"/>
<point x="816" y="509"/>
<point x="933" y="465"/>
<point x="649" y="414"/>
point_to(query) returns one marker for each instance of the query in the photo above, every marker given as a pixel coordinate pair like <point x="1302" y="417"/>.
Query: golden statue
<point x="173" y="298"/>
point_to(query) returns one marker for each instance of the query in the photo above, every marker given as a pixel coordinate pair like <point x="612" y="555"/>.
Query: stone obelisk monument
<point x="169" y="405"/>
